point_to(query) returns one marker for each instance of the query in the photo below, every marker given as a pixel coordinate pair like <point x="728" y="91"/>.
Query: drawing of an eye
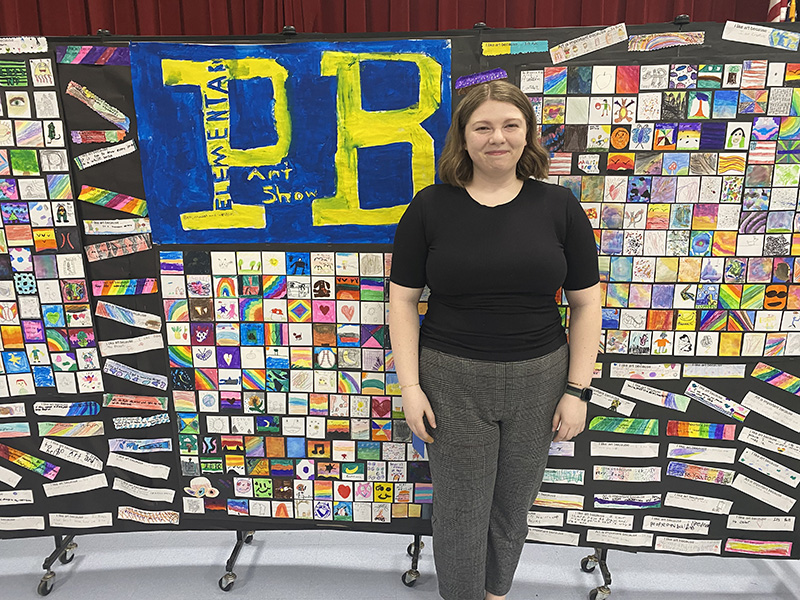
<point x="16" y="101"/>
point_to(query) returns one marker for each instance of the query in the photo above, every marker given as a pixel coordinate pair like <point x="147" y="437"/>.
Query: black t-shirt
<point x="493" y="272"/>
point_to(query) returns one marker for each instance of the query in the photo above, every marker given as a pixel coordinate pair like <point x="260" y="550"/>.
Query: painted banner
<point x="302" y="142"/>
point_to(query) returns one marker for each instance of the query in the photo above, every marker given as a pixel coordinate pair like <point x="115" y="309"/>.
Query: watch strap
<point x="582" y="393"/>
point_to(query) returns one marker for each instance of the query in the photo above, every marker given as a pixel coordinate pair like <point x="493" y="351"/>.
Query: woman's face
<point x="495" y="138"/>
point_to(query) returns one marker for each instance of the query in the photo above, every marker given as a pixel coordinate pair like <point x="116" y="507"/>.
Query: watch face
<point x="586" y="394"/>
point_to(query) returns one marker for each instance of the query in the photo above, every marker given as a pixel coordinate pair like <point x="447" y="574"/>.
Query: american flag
<point x="761" y="153"/>
<point x="777" y="10"/>
<point x="561" y="163"/>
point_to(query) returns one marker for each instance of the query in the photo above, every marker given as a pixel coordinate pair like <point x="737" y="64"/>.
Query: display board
<point x="242" y="198"/>
<point x="680" y="146"/>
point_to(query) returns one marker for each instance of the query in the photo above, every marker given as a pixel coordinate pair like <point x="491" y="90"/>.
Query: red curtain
<point x="249" y="17"/>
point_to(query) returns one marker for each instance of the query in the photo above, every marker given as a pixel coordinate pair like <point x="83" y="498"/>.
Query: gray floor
<point x="317" y="565"/>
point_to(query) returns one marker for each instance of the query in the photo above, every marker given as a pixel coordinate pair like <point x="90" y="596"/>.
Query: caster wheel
<point x="410" y="577"/>
<point x="600" y="593"/>
<point x="588" y="566"/>
<point x="46" y="584"/>
<point x="226" y="582"/>
<point x="68" y="555"/>
<point x="410" y="549"/>
<point x="248" y="538"/>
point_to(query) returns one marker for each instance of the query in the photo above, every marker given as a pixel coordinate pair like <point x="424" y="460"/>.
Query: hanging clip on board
<point x="682" y="20"/>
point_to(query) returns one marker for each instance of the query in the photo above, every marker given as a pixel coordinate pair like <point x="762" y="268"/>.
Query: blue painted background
<point x="178" y="179"/>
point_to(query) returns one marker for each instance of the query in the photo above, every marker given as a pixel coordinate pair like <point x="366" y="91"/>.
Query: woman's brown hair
<point x="455" y="165"/>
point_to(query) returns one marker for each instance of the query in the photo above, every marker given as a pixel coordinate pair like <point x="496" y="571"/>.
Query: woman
<point x="485" y="382"/>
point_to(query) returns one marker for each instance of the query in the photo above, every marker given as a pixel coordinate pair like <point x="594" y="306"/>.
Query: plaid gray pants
<point x="487" y="462"/>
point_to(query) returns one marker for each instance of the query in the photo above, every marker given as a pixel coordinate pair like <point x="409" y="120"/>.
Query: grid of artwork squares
<point x="689" y="175"/>
<point x="46" y="328"/>
<point x="281" y="377"/>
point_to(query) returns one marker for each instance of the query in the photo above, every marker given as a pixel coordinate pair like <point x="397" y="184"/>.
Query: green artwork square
<point x="211" y="465"/>
<point x="188" y="444"/>
<point x="24" y="162"/>
<point x="262" y="487"/>
<point x="710" y="76"/>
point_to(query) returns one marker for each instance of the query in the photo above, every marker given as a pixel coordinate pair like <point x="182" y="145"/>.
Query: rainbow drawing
<point x="753" y="296"/>
<point x="790" y="128"/>
<point x="182" y="401"/>
<point x="775" y="344"/>
<point x="778" y="378"/>
<point x="706" y="431"/>
<point x="629" y="426"/>
<point x="57" y="340"/>
<point x="423" y="493"/>
<point x="180" y="356"/>
<point x="98" y="105"/>
<point x="97" y="136"/>
<point x="61" y="429"/>
<point x="253" y="446"/>
<point x="176" y="310"/>
<point x="301" y="358"/>
<point x="93" y="55"/>
<point x="251" y="310"/>
<point x="323" y="490"/>
<point x="759" y="547"/>
<point x="713" y="320"/>
<point x="205" y="379"/>
<point x="372" y="289"/>
<point x="254" y="379"/>
<point x="300" y="311"/>
<point x="109" y="199"/>
<point x="274" y="286"/>
<point x="171" y="262"/>
<point x="730" y="295"/>
<point x="658" y="41"/>
<point x="741" y="320"/>
<point x="124" y="287"/>
<point x="29" y="133"/>
<point x="225" y="287"/>
<point x="30" y="462"/>
<point x="555" y="80"/>
<point x="348" y="383"/>
<point x="318" y="404"/>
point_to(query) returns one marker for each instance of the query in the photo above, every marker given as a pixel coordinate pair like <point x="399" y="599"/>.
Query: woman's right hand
<point x="416" y="406"/>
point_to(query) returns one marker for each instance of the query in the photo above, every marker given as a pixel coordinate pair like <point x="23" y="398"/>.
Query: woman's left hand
<point x="570" y="418"/>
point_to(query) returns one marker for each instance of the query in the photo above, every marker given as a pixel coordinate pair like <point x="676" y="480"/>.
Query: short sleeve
<point x="580" y="248"/>
<point x="410" y="251"/>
